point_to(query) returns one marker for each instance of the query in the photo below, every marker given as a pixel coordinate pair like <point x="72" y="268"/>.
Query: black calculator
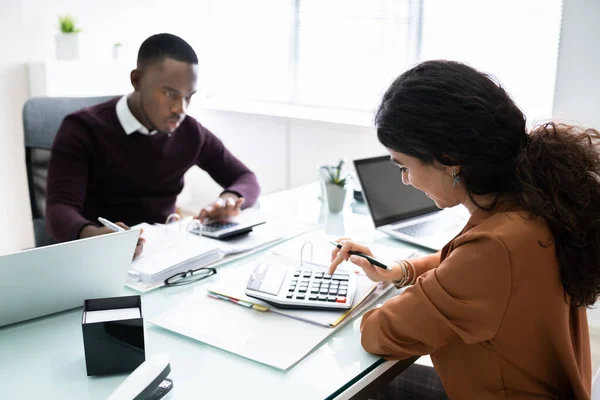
<point x="305" y="287"/>
<point x="226" y="229"/>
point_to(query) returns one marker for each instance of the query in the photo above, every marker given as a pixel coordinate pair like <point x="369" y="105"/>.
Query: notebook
<point x="318" y="249"/>
<point x="220" y="314"/>
<point x="170" y="249"/>
<point x="310" y="248"/>
<point x="168" y="252"/>
<point x="232" y="287"/>
<point x="252" y="330"/>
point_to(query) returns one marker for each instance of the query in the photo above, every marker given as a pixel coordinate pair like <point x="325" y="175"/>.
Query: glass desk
<point x="44" y="358"/>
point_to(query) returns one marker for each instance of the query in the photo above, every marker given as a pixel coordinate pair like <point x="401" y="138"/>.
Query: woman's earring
<point x="456" y="178"/>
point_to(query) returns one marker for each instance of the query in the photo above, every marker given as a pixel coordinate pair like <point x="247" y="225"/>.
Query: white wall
<point x="514" y="40"/>
<point x="15" y="214"/>
<point x="27" y="34"/>
<point x="283" y="152"/>
<point x="577" y="93"/>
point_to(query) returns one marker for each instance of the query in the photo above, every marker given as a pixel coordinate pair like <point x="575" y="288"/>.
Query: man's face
<point x="165" y="89"/>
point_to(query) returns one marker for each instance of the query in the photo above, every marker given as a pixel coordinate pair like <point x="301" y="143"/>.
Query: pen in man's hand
<point x="372" y="260"/>
<point x="110" y="225"/>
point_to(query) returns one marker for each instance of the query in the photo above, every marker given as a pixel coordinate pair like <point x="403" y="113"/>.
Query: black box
<point x="113" y="346"/>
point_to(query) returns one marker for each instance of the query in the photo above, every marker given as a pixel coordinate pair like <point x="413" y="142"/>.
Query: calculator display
<point x="267" y="278"/>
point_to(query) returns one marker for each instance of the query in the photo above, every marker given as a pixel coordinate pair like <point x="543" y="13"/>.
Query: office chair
<point x="596" y="386"/>
<point x="42" y="117"/>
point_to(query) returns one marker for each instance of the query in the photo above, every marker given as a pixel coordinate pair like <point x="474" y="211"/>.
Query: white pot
<point x="336" y="195"/>
<point x="116" y="52"/>
<point x="323" y="178"/>
<point x="67" y="46"/>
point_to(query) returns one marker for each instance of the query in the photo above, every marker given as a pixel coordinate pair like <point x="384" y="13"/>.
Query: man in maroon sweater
<point x="124" y="160"/>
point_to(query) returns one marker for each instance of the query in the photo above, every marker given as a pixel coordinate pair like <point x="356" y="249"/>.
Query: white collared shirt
<point x="128" y="121"/>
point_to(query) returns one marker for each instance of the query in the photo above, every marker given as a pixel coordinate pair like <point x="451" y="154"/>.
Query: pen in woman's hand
<point x="372" y="260"/>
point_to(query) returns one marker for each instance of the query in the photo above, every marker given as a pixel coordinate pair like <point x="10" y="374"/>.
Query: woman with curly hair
<point x="501" y="309"/>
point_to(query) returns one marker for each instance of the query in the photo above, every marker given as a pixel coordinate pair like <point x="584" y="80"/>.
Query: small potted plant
<point x="335" y="186"/>
<point x="116" y="51"/>
<point x="67" y="46"/>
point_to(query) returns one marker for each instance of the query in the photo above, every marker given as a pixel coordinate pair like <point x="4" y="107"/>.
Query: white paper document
<point x="169" y="252"/>
<point x="171" y="249"/>
<point x="279" y="338"/>
<point x="318" y="250"/>
<point x="111" y="315"/>
<point x="232" y="284"/>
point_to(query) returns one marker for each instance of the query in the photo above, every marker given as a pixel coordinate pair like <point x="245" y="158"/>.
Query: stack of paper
<point x="166" y="254"/>
<point x="316" y="248"/>
<point x="167" y="245"/>
<point x="232" y="288"/>
<point x="255" y="330"/>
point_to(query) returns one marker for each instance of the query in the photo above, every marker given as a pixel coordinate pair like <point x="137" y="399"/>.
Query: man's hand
<point x="228" y="205"/>
<point x="91" y="230"/>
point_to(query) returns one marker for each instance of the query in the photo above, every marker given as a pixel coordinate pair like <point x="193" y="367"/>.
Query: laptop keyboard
<point x="428" y="228"/>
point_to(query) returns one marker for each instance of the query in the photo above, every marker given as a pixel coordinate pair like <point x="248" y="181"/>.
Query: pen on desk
<point x="110" y="225"/>
<point x="372" y="260"/>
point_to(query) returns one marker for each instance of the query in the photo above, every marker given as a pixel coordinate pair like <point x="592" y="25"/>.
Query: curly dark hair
<point x="451" y="113"/>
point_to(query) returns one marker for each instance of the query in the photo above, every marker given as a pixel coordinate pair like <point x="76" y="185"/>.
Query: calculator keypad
<point x="318" y="286"/>
<point x="217" y="226"/>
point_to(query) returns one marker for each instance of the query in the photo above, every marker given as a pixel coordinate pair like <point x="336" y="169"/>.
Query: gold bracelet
<point x="399" y="283"/>
<point x="414" y="273"/>
<point x="408" y="278"/>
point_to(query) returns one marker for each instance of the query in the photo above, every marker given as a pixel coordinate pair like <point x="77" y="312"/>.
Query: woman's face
<point x="435" y="180"/>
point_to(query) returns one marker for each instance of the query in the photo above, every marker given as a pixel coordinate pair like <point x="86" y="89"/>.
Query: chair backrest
<point x="596" y="386"/>
<point x="42" y="117"/>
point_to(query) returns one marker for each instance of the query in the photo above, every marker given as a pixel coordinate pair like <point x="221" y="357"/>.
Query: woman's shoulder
<point x="513" y="223"/>
<point x="526" y="238"/>
<point x="514" y="229"/>
<point x="508" y="226"/>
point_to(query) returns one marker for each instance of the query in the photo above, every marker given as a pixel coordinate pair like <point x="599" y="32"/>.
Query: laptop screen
<point x="388" y="198"/>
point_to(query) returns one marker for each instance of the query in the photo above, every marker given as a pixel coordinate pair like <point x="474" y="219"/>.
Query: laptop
<point x="49" y="279"/>
<point x="401" y="210"/>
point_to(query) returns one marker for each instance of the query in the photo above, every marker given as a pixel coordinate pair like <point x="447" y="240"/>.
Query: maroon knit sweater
<point x="96" y="170"/>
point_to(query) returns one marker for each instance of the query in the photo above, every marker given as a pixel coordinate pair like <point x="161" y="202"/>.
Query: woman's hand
<point x="374" y="273"/>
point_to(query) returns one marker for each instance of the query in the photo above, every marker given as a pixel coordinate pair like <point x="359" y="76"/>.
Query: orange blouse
<point x="493" y="316"/>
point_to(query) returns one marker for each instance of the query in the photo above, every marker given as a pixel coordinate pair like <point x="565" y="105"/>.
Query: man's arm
<point x="227" y="170"/>
<point x="67" y="181"/>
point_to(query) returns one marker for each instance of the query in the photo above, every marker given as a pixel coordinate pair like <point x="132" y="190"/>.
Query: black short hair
<point x="165" y="45"/>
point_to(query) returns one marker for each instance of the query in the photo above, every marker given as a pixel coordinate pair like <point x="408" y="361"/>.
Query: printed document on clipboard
<point x="294" y="253"/>
<point x="170" y="249"/>
<point x="221" y="315"/>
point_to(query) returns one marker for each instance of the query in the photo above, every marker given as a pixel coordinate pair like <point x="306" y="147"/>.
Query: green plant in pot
<point x="67" y="24"/>
<point x="116" y="50"/>
<point x="335" y="184"/>
<point x="67" y="44"/>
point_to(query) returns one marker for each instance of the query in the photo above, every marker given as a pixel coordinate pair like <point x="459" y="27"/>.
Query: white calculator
<point x="306" y="287"/>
